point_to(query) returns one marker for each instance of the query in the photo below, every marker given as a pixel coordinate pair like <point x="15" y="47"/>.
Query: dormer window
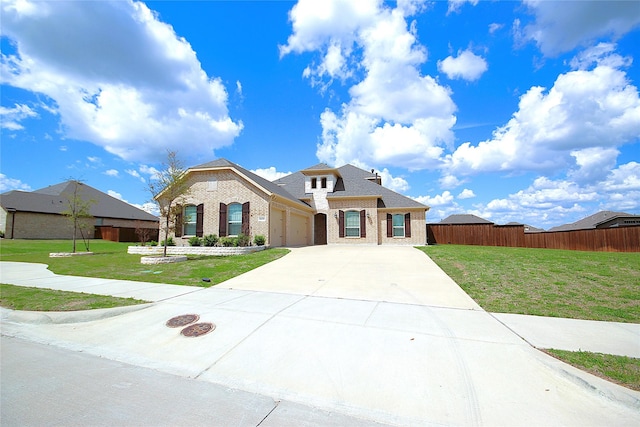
<point x="314" y="182"/>
<point x="323" y="182"/>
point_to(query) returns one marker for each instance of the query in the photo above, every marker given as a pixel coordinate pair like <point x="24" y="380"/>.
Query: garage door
<point x="299" y="230"/>
<point x="276" y="227"/>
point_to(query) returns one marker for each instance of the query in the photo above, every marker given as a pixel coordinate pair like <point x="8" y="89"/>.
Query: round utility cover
<point x="182" y="320"/>
<point x="198" y="329"/>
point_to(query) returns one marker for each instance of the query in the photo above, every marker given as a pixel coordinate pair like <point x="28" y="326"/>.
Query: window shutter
<point x="363" y="223"/>
<point x="245" y="218"/>
<point x="340" y="223"/>
<point x="178" y="224"/>
<point x="222" y="228"/>
<point x="199" y="219"/>
<point x="407" y="225"/>
<point x="389" y="225"/>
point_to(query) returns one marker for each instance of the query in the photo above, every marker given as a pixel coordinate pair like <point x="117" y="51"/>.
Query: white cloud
<point x="494" y="27"/>
<point x="134" y="173"/>
<point x="149" y="207"/>
<point x="466" y="66"/>
<point x="11" y="117"/>
<point x="548" y="202"/>
<point x="112" y="172"/>
<point x="466" y="194"/>
<point x="8" y="184"/>
<point x="456" y="5"/>
<point x="94" y="159"/>
<point x="135" y="92"/>
<point x="562" y="26"/>
<point x="593" y="164"/>
<point x="394" y="183"/>
<point x="270" y="173"/>
<point x="149" y="170"/>
<point x="396" y="116"/>
<point x="450" y="181"/>
<point x="115" y="195"/>
<point x="444" y="199"/>
<point x="584" y="109"/>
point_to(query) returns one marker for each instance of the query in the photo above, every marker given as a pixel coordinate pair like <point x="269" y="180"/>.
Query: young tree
<point x="77" y="209"/>
<point x="168" y="187"/>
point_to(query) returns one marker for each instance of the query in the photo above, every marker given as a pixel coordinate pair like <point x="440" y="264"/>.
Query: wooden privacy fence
<point x="122" y="234"/>
<point x="619" y="239"/>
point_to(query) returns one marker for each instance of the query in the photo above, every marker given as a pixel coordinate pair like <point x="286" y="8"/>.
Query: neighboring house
<point x="39" y="214"/>
<point x="464" y="219"/>
<point x="527" y="228"/>
<point x="319" y="205"/>
<point x="602" y="219"/>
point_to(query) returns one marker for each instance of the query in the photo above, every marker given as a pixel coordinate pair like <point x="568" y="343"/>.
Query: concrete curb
<point x="62" y="317"/>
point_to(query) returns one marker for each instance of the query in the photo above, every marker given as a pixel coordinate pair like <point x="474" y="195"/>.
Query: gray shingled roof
<point x="264" y="183"/>
<point x="464" y="219"/>
<point x="353" y="182"/>
<point x="54" y="200"/>
<point x="590" y="221"/>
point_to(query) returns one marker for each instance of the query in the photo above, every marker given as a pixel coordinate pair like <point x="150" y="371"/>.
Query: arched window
<point x="234" y="216"/>
<point x="352" y="224"/>
<point x="190" y="218"/>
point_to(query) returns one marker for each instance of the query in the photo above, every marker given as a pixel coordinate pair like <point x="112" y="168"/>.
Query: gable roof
<point x="352" y="182"/>
<point x="260" y="181"/>
<point x="590" y="221"/>
<point x="464" y="219"/>
<point x="55" y="198"/>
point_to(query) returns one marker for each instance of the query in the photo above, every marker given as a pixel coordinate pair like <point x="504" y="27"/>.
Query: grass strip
<point x="621" y="370"/>
<point x="38" y="299"/>
<point x="111" y="261"/>
<point x="546" y="282"/>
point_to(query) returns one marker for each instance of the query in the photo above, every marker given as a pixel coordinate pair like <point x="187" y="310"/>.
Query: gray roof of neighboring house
<point x="464" y="219"/>
<point x="590" y="221"/>
<point x="55" y="199"/>
<point x="265" y="183"/>
<point x="352" y="182"/>
<point x="527" y="228"/>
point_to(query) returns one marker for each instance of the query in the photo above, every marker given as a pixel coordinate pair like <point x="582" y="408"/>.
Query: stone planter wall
<point x="194" y="250"/>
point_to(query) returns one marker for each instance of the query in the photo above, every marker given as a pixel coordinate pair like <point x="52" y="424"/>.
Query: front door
<point x="320" y="229"/>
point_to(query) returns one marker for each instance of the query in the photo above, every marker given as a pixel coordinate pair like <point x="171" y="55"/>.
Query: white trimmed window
<point x="352" y="224"/>
<point x="190" y="218"/>
<point x="235" y="219"/>
<point x="398" y="225"/>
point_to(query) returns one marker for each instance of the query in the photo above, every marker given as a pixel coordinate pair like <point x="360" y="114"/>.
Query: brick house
<point x="318" y="205"/>
<point x="39" y="214"/>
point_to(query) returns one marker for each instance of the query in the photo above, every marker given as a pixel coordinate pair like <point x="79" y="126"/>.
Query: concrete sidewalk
<point x="377" y="333"/>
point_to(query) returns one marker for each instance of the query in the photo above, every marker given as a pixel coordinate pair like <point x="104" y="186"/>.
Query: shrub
<point x="228" y="242"/>
<point x="153" y="243"/>
<point x="243" y="240"/>
<point x="259" y="240"/>
<point x="170" y="242"/>
<point x="211" y="240"/>
<point x="195" y="241"/>
<point x="2" y="234"/>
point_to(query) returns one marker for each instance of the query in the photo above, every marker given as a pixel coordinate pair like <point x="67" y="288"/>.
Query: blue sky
<point x="513" y="111"/>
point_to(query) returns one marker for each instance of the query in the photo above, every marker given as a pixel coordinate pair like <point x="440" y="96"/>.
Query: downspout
<point x="13" y="220"/>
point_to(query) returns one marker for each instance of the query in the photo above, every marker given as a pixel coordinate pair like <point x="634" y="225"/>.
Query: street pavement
<point x="373" y="334"/>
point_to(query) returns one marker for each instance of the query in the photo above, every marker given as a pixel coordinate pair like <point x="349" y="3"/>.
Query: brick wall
<point x="418" y="229"/>
<point x="28" y="225"/>
<point x="371" y="211"/>
<point x="214" y="187"/>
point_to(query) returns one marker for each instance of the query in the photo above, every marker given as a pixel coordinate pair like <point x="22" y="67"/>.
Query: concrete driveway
<point x="378" y="333"/>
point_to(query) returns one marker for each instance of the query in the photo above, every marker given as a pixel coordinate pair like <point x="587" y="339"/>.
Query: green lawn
<point x="546" y="282"/>
<point x="36" y="299"/>
<point x="111" y="261"/>
<point x="619" y="369"/>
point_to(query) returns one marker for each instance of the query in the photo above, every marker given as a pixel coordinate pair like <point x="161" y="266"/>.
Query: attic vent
<point x="213" y="184"/>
